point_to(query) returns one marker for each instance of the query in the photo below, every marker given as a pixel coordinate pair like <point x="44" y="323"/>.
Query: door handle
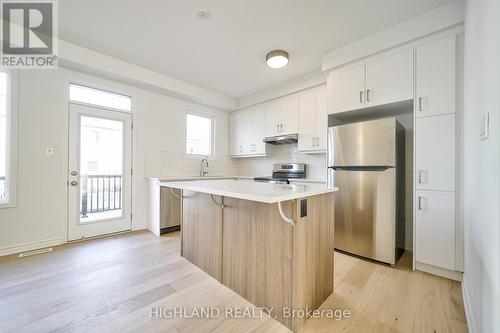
<point x="73" y="183"/>
<point x="421" y="203"/>
<point x="422" y="104"/>
<point x="361" y="97"/>
<point x="422" y="177"/>
<point x="368" y="95"/>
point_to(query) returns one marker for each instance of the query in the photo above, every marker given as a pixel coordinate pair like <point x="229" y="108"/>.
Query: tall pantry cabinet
<point x="435" y="104"/>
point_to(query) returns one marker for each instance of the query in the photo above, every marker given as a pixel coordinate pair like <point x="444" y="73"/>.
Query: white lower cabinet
<point x="435" y="228"/>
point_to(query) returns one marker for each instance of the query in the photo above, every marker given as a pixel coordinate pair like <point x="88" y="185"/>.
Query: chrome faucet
<point x="204" y="166"/>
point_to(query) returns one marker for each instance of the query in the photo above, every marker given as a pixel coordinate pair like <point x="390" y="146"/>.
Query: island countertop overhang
<point x="253" y="191"/>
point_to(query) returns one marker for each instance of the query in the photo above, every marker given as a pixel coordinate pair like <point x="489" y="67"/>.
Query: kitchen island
<point x="271" y="243"/>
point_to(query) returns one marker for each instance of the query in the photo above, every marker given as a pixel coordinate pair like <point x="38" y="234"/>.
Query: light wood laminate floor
<point x="110" y="284"/>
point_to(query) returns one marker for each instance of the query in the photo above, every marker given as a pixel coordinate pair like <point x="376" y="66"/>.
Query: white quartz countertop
<point x="254" y="191"/>
<point x="190" y="178"/>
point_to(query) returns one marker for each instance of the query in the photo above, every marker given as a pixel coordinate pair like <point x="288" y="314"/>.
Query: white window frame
<point x="12" y="130"/>
<point x="104" y="89"/>
<point x="212" y="132"/>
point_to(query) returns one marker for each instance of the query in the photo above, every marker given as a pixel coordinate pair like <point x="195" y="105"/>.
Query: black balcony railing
<point x="100" y="193"/>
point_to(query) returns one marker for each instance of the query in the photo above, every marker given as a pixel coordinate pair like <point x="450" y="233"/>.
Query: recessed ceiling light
<point x="203" y="13"/>
<point x="277" y="59"/>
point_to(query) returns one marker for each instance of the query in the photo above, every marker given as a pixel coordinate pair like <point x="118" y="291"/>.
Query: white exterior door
<point x="99" y="176"/>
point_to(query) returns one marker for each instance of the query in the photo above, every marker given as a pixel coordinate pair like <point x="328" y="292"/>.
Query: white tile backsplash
<point x="262" y="166"/>
<point x="163" y="164"/>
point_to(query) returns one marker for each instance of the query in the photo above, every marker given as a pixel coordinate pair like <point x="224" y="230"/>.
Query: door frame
<point x="132" y="164"/>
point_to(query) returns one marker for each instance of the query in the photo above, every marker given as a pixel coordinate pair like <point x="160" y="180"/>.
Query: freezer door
<point x="366" y="143"/>
<point x="365" y="213"/>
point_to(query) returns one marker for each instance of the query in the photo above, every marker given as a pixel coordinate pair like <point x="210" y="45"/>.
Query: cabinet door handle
<point x="361" y="97"/>
<point x="422" y="177"/>
<point x="421" y="203"/>
<point x="368" y="95"/>
<point x="421" y="104"/>
<point x="281" y="128"/>
<point x="313" y="141"/>
<point x="317" y="141"/>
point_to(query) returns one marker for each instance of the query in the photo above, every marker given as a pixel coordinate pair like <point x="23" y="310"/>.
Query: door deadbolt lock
<point x="74" y="173"/>
<point x="73" y="183"/>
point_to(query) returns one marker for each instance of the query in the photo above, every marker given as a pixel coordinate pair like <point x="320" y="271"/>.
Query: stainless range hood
<point x="282" y="139"/>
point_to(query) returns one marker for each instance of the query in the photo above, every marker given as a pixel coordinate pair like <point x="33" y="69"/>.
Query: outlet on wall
<point x="49" y="152"/>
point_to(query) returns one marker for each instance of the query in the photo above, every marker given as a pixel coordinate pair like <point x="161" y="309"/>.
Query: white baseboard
<point x="4" y="251"/>
<point x="138" y="227"/>
<point x="453" y="275"/>
<point x="471" y="324"/>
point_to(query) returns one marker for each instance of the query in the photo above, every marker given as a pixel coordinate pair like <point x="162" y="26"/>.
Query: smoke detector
<point x="203" y="14"/>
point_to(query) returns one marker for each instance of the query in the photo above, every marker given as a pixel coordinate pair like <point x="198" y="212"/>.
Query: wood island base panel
<point x="247" y="246"/>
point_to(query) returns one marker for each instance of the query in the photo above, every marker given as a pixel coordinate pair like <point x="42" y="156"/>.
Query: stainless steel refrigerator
<point x="366" y="162"/>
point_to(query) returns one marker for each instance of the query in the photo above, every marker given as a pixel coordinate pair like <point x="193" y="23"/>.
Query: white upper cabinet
<point x="235" y="136"/>
<point x="436" y="78"/>
<point x="389" y="79"/>
<point x="382" y="81"/>
<point x="435" y="153"/>
<point x="347" y="89"/>
<point x="259" y="130"/>
<point x="307" y="120"/>
<point x="273" y="118"/>
<point x="313" y="119"/>
<point x="247" y="130"/>
<point x="321" y="118"/>
<point x="290" y="114"/>
<point x="282" y="116"/>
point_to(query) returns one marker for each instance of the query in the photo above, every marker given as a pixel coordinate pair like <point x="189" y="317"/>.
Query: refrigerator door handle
<point x="362" y="168"/>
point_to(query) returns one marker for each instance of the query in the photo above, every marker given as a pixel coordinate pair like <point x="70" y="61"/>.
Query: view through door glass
<point x="101" y="169"/>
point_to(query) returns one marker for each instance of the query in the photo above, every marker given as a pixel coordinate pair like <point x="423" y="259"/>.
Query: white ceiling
<point x="226" y="53"/>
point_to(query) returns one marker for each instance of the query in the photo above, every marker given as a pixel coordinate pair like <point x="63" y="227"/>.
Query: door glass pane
<point x="98" y="97"/>
<point x="101" y="169"/>
<point x="4" y="131"/>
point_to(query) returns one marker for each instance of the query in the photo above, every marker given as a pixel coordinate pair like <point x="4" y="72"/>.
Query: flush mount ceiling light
<point x="277" y="59"/>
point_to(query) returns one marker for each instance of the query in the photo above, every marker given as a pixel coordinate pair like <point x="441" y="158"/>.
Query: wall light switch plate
<point x="49" y="152"/>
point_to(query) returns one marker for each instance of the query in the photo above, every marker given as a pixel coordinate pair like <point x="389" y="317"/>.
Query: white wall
<point x="39" y="219"/>
<point x="482" y="166"/>
<point x="262" y="166"/>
